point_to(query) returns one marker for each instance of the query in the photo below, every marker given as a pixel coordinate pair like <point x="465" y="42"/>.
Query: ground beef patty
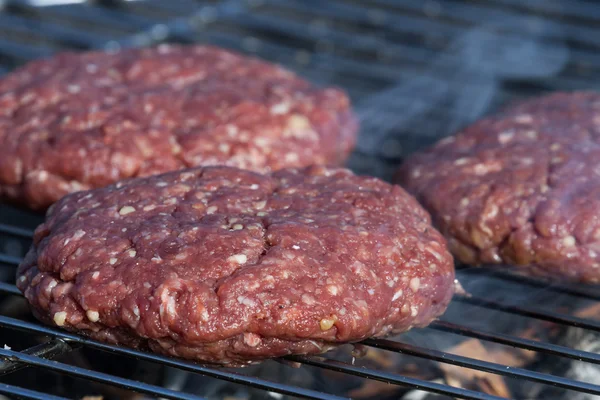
<point x="521" y="187"/>
<point x="228" y="266"/>
<point x="80" y="121"/>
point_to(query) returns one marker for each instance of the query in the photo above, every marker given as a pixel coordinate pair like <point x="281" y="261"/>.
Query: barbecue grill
<point x="416" y="71"/>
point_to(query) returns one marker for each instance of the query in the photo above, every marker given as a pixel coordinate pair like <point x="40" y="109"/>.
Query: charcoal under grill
<point x="416" y="71"/>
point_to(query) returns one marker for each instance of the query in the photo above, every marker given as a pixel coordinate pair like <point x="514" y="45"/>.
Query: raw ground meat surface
<point x="228" y="266"/>
<point x="521" y="187"/>
<point x="85" y="120"/>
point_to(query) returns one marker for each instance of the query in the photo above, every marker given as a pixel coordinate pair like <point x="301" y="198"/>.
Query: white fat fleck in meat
<point x="280" y="108"/>
<point x="327" y="323"/>
<point x="252" y="339"/>
<point x="112" y="261"/>
<point x="259" y="205"/>
<point x="414" y="311"/>
<point x="51" y="286"/>
<point x="569" y="241"/>
<point x="490" y="212"/>
<point x="415" y="284"/>
<point x="91" y="68"/>
<point x="524" y="119"/>
<point x="246" y="301"/>
<point x="149" y="207"/>
<point x="132" y="253"/>
<point x="484" y="169"/>
<point x="95" y="275"/>
<point x="237" y="227"/>
<point x="147" y="285"/>
<point x="126" y="210"/>
<point x="232" y="130"/>
<point x="254" y="186"/>
<point x="238" y="258"/>
<point x="92" y="315"/>
<point x="211" y="209"/>
<point x="78" y="234"/>
<point x="296" y="247"/>
<point x="333" y="289"/>
<point x="506" y="136"/>
<point x="73" y="89"/>
<point x="461" y="161"/>
<point x="308" y="299"/>
<point x="464" y="202"/>
<point x="60" y="318"/>
<point x="433" y="267"/>
<point x="168" y="304"/>
<point x="531" y="135"/>
<point x="291" y="157"/>
<point x="397" y="295"/>
<point x="315" y="344"/>
<point x="526" y="161"/>
<point x="434" y="253"/>
<point x="371" y="292"/>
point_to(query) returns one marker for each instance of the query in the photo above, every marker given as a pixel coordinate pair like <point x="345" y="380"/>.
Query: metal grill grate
<point x="416" y="70"/>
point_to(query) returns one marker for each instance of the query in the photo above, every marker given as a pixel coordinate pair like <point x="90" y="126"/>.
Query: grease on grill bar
<point x="416" y="71"/>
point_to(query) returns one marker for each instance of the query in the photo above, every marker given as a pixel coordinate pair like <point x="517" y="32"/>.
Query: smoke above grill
<point x="460" y="83"/>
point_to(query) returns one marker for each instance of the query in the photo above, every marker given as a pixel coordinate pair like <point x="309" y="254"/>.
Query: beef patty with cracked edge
<point x="521" y="187"/>
<point x="228" y="266"/>
<point x="85" y="120"/>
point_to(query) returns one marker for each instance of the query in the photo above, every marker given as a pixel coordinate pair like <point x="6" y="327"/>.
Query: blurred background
<point x="416" y="71"/>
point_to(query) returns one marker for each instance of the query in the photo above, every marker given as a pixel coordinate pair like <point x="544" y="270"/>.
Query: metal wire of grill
<point x="379" y="51"/>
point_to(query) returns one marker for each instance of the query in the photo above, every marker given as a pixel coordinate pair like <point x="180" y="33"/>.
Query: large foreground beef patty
<point x="521" y="187"/>
<point x="81" y="121"/>
<point x="228" y="266"/>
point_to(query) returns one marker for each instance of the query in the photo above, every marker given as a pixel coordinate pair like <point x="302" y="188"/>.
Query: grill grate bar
<point x="233" y="377"/>
<point x="9" y="289"/>
<point x="481" y="365"/>
<point x="435" y="28"/>
<point x="433" y="387"/>
<point x="59" y="33"/>
<point x="474" y="13"/>
<point x="528" y="344"/>
<point x="531" y="312"/>
<point x="22" y="393"/>
<point x="96" y="376"/>
<point x="23" y="52"/>
<point x="537" y="283"/>
<point x="16" y="231"/>
<point x="575" y="8"/>
<point x="8" y="259"/>
<point x="49" y="350"/>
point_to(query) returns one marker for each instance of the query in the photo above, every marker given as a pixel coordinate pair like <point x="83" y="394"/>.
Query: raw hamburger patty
<point x="80" y="121"/>
<point x="228" y="266"/>
<point x="521" y="187"/>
